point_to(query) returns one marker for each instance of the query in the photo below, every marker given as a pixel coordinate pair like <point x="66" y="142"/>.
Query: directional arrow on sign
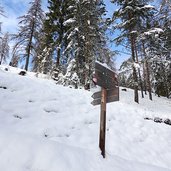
<point x="112" y="95"/>
<point x="110" y="92"/>
<point x="108" y="100"/>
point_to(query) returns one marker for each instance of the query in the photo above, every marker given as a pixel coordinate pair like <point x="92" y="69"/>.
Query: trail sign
<point x="105" y="78"/>
<point x="110" y="92"/>
<point x="106" y="71"/>
<point x="112" y="95"/>
<point x="108" y="100"/>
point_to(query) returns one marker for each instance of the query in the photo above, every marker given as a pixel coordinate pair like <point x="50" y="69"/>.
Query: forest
<point x="65" y="41"/>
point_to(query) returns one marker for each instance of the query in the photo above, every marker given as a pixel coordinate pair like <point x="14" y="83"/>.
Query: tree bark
<point x="147" y="73"/>
<point x="58" y="57"/>
<point x="29" y="45"/>
<point x="135" y="78"/>
<point x="139" y="72"/>
<point x="166" y="87"/>
<point x="144" y="76"/>
<point x="29" y="49"/>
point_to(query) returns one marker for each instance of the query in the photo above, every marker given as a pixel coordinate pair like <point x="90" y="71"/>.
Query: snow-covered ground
<point x="47" y="127"/>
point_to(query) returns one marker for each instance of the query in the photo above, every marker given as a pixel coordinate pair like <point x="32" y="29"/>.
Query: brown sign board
<point x="112" y="95"/>
<point x="104" y="81"/>
<point x="108" y="100"/>
<point x="110" y="92"/>
<point x="104" y="77"/>
<point x="105" y="70"/>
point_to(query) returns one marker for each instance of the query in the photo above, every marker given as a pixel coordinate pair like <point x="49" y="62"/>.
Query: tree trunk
<point x="147" y="73"/>
<point x="144" y="76"/>
<point x="58" y="57"/>
<point x="61" y="33"/>
<point x="135" y="78"/>
<point x="29" y="47"/>
<point x="28" y="56"/>
<point x="139" y="72"/>
<point x="166" y="87"/>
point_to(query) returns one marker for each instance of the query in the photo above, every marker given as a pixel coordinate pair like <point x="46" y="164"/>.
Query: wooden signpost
<point x="105" y="78"/>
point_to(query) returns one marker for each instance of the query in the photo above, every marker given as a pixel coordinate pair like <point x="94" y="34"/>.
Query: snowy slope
<point x="47" y="127"/>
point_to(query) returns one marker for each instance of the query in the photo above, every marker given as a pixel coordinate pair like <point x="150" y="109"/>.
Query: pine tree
<point x="86" y="36"/>
<point x="132" y="14"/>
<point x="71" y="77"/>
<point x="164" y="19"/>
<point x="75" y="37"/>
<point x="29" y="27"/>
<point x="55" y="23"/>
<point x="44" y="59"/>
<point x="157" y="53"/>
<point x="94" y="32"/>
<point x="77" y="31"/>
<point x="165" y="23"/>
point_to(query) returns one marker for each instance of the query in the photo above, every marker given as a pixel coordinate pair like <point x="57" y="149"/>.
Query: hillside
<point x="47" y="127"/>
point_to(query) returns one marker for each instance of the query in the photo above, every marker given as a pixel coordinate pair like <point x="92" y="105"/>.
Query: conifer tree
<point x="164" y="19"/>
<point x="29" y="27"/>
<point x="94" y="33"/>
<point x="156" y="50"/>
<point x="165" y="25"/>
<point x="77" y="30"/>
<point x="86" y="36"/>
<point x="55" y="19"/>
<point x="131" y="15"/>
<point x="43" y="62"/>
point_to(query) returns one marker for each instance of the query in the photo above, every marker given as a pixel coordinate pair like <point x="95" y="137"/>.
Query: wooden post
<point x="103" y="122"/>
<point x="105" y="78"/>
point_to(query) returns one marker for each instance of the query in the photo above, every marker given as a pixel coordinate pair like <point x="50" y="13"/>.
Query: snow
<point x="47" y="127"/>
<point x="149" y="6"/>
<point x="104" y="65"/>
<point x="133" y="32"/>
<point x="136" y="65"/>
<point x="69" y="21"/>
<point x="88" y="21"/>
<point x="128" y="8"/>
<point x="154" y="30"/>
<point x="70" y="7"/>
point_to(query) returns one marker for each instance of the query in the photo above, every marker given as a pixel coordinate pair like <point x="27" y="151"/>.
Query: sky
<point x="16" y="8"/>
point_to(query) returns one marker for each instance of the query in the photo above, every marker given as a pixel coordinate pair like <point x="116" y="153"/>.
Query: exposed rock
<point x="158" y="120"/>
<point x="23" y="73"/>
